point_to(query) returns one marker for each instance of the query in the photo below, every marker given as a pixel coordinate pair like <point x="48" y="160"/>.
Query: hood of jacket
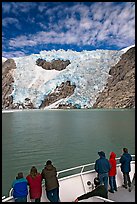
<point x="112" y="155"/>
<point x="101" y="154"/>
<point x="49" y="167"/>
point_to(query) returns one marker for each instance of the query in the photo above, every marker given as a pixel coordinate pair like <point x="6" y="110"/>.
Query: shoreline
<point x="9" y="111"/>
<point x="54" y="109"/>
<point x="26" y="110"/>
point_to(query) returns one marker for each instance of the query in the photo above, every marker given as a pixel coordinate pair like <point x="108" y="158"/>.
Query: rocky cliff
<point x="55" y="64"/>
<point x="68" y="79"/>
<point x="8" y="67"/>
<point x="119" y="91"/>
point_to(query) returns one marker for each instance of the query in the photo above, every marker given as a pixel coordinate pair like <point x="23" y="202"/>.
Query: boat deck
<point x="123" y="195"/>
<point x="75" y="184"/>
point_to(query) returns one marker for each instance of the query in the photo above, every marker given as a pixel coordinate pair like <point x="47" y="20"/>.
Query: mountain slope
<point x="120" y="89"/>
<point x="58" y="79"/>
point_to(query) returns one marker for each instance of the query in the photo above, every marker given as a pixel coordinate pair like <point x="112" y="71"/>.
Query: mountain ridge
<point x="76" y="85"/>
<point x="120" y="88"/>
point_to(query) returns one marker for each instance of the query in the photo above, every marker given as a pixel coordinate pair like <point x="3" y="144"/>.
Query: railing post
<point x="82" y="177"/>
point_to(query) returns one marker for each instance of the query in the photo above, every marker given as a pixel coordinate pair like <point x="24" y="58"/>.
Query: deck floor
<point x="123" y="195"/>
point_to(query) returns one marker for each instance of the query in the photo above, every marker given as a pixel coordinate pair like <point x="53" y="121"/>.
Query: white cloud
<point x="12" y="21"/>
<point x="42" y="7"/>
<point x="17" y="7"/>
<point x="6" y="7"/>
<point x="13" y="54"/>
<point x="100" y="23"/>
<point x="22" y="41"/>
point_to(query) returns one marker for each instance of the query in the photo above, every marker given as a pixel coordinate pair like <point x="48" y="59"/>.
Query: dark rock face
<point x="55" y="64"/>
<point x="120" y="89"/>
<point x="26" y="105"/>
<point x="63" y="91"/>
<point x="68" y="106"/>
<point x="7" y="83"/>
<point x="7" y="88"/>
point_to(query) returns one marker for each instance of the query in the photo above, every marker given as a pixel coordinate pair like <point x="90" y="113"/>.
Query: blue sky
<point x="29" y="27"/>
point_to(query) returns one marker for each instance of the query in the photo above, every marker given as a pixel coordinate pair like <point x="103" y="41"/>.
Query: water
<point x="67" y="137"/>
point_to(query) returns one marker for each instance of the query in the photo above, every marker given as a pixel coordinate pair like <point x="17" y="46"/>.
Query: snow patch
<point x="88" y="71"/>
<point x="127" y="48"/>
<point x="4" y="59"/>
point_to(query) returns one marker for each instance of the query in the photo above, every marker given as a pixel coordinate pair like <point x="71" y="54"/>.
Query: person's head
<point x="125" y="150"/>
<point x="33" y="171"/>
<point x="101" y="154"/>
<point x="48" y="162"/>
<point x="19" y="176"/>
<point x="96" y="181"/>
<point x="112" y="155"/>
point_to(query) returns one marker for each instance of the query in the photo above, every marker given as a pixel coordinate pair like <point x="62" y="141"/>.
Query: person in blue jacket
<point x="102" y="167"/>
<point x="20" y="189"/>
<point x="125" y="167"/>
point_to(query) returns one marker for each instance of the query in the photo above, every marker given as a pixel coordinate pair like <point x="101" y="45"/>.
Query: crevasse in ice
<point x="88" y="71"/>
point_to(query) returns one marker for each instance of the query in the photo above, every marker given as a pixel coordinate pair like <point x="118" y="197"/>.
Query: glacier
<point x="88" y="70"/>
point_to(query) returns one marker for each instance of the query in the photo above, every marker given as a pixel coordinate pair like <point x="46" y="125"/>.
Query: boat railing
<point x="82" y="169"/>
<point x="77" y="171"/>
<point x="104" y="199"/>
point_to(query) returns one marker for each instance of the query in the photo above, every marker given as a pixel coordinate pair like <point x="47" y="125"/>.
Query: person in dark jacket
<point x="102" y="167"/>
<point x="125" y="167"/>
<point x="112" y="173"/>
<point x="49" y="173"/>
<point x="35" y="184"/>
<point x="20" y="189"/>
<point x="99" y="190"/>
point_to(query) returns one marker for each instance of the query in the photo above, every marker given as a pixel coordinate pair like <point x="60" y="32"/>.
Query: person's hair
<point x="125" y="150"/>
<point x="96" y="181"/>
<point x="33" y="172"/>
<point x="19" y="176"/>
<point x="48" y="162"/>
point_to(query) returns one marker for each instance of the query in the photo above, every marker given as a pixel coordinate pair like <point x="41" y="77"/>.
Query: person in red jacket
<point x="112" y="173"/>
<point x="35" y="185"/>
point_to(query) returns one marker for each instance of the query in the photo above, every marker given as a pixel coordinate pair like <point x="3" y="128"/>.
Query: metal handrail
<point x="104" y="199"/>
<point x="83" y="167"/>
<point x="77" y="167"/>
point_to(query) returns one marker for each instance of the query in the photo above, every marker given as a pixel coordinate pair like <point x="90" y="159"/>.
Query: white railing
<point x="104" y="199"/>
<point x="82" y="167"/>
<point x="81" y="172"/>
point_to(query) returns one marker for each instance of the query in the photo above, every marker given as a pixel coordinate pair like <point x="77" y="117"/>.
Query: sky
<point x="29" y="27"/>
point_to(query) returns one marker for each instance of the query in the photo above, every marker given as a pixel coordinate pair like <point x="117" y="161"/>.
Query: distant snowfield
<point x="89" y="71"/>
<point x="26" y="110"/>
<point x="10" y="111"/>
<point x="4" y="59"/>
<point x="18" y="110"/>
<point x="127" y="48"/>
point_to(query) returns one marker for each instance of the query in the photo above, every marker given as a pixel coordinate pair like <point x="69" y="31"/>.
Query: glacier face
<point x="88" y="71"/>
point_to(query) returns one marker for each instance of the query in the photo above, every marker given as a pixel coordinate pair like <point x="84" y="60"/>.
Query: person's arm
<point x="27" y="178"/>
<point x="76" y="200"/>
<point x="41" y="177"/>
<point x="96" y="166"/>
<point x="109" y="165"/>
<point x="13" y="183"/>
<point x="55" y="171"/>
<point x="42" y="174"/>
<point x="89" y="194"/>
<point x="122" y="159"/>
